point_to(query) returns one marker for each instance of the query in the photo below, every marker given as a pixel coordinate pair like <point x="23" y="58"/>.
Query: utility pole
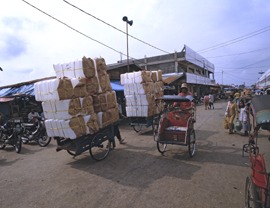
<point x="222" y="76"/>
<point x="128" y="22"/>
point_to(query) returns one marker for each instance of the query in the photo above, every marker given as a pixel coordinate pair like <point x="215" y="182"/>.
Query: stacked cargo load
<point x="79" y="101"/>
<point x="141" y="89"/>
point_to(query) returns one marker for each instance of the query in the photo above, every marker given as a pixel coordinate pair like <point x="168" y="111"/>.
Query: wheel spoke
<point x="100" y="146"/>
<point x="161" y="147"/>
<point x="191" y="143"/>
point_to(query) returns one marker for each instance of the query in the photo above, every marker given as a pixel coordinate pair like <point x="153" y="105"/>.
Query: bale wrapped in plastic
<point x="108" y="117"/>
<point x="54" y="89"/>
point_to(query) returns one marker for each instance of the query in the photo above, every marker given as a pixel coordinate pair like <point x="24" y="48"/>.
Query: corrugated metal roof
<point x="197" y="59"/>
<point x="122" y="64"/>
<point x="170" y="78"/>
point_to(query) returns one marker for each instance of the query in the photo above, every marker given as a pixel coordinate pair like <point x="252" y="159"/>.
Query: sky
<point x="234" y="35"/>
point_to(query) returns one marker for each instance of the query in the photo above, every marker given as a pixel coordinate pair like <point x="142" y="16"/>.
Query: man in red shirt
<point x="184" y="93"/>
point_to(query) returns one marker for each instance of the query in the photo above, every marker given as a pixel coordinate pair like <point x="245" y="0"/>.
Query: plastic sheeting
<point x="13" y="91"/>
<point x="116" y="86"/>
<point x="29" y="89"/>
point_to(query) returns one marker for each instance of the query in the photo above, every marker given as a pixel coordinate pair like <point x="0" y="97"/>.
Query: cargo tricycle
<point x="98" y="144"/>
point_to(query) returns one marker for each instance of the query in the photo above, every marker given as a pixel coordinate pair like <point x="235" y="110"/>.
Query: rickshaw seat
<point x="176" y="128"/>
<point x="258" y="170"/>
<point x="179" y="118"/>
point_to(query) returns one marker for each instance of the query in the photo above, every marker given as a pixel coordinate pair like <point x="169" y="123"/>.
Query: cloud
<point x="12" y="46"/>
<point x="32" y="42"/>
<point x="23" y="70"/>
<point x="13" y="23"/>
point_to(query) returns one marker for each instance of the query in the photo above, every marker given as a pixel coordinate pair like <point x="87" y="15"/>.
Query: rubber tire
<point x="161" y="147"/>
<point x="71" y="153"/>
<point x="155" y="132"/>
<point x="2" y="144"/>
<point x="191" y="144"/>
<point x="137" y="128"/>
<point x="250" y="193"/>
<point x="47" y="141"/>
<point x="18" y="144"/>
<point x="104" y="144"/>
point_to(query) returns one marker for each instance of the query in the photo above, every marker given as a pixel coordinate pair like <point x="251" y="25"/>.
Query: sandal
<point x="122" y="141"/>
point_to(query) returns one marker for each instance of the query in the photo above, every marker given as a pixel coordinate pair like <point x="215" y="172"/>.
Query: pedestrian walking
<point x="243" y="116"/>
<point x="211" y="101"/>
<point x="206" y="101"/>
<point x="231" y="113"/>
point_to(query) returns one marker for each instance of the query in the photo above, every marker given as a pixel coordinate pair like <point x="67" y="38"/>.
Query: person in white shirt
<point x="33" y="116"/>
<point x="211" y="101"/>
<point x="243" y="116"/>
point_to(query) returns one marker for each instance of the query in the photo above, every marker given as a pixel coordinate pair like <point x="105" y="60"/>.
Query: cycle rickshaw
<point x="175" y="126"/>
<point x="257" y="189"/>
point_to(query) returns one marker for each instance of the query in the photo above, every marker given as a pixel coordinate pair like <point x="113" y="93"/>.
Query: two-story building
<point x="185" y="66"/>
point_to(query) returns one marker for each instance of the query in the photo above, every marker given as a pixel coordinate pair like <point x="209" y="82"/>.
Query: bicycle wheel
<point x="161" y="147"/>
<point x="137" y="128"/>
<point x="251" y="196"/>
<point x="191" y="143"/>
<point x="100" y="146"/>
<point x="73" y="153"/>
<point x="155" y="131"/>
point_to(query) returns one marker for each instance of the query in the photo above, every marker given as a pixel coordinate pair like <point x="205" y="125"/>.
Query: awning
<point x="169" y="79"/>
<point x="13" y="91"/>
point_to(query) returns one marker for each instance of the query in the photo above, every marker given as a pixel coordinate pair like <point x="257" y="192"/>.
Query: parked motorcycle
<point x="10" y="134"/>
<point x="35" y="132"/>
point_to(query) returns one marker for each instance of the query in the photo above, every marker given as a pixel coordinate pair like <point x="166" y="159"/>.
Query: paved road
<point x="135" y="174"/>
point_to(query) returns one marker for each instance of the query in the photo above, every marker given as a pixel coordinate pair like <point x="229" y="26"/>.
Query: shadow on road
<point x="204" y="134"/>
<point x="5" y="162"/>
<point x="137" y="169"/>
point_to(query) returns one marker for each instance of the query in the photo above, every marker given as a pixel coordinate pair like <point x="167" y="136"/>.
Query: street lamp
<point x="128" y="22"/>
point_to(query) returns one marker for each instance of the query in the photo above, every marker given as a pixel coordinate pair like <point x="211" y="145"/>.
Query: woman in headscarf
<point x="231" y="113"/>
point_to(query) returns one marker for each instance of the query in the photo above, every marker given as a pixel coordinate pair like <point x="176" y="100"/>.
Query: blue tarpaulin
<point x="116" y="86"/>
<point x="22" y="90"/>
<point x="29" y="89"/>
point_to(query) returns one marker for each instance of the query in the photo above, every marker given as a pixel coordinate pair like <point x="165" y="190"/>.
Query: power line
<point x="115" y="27"/>
<point x="233" y="69"/>
<point x="235" y="40"/>
<point x="81" y="32"/>
<point x="93" y="38"/>
<point x="237" y="77"/>
<point x="71" y="27"/>
<point x="236" y="54"/>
